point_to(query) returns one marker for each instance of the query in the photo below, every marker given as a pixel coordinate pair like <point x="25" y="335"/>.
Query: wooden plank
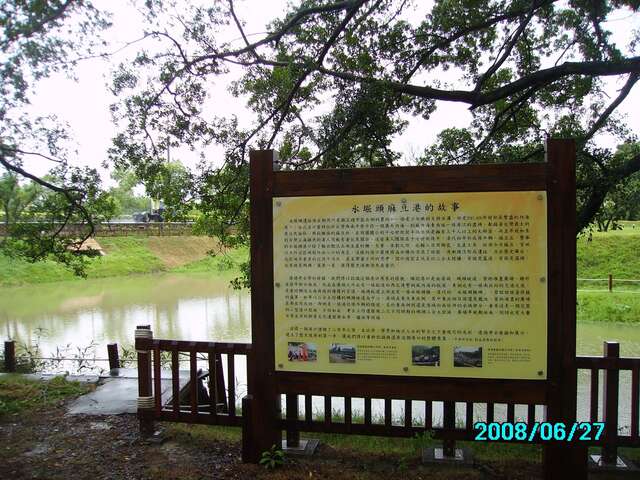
<point x="157" y="380"/>
<point x="367" y="411"/>
<point x="611" y="383"/>
<point x="531" y="414"/>
<point x="293" y="434"/>
<point x="561" y="461"/>
<point x="213" y="390"/>
<point x="249" y="455"/>
<point x="327" y="410"/>
<point x="221" y="386"/>
<point x="187" y="346"/>
<point x="402" y="432"/>
<point x="200" y="418"/>
<point x="388" y="416"/>
<point x="456" y="178"/>
<point x="417" y="388"/>
<point x="635" y="401"/>
<point x="193" y="382"/>
<point x="511" y="412"/>
<point x="469" y="416"/>
<point x="603" y="363"/>
<point x="347" y="411"/>
<point x="408" y="414"/>
<point x="308" y="408"/>
<point x="593" y="396"/>
<point x="266" y="398"/>
<point x="231" y="379"/>
<point x="449" y="425"/>
<point x="490" y="412"/>
<point x="175" y="380"/>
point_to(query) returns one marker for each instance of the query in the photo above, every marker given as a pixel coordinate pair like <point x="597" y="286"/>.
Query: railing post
<point x="114" y="359"/>
<point x="145" y="396"/>
<point x="610" y="406"/>
<point x="293" y="434"/>
<point x="448" y="424"/>
<point x="250" y="453"/>
<point x="10" y="356"/>
<point x="610" y="282"/>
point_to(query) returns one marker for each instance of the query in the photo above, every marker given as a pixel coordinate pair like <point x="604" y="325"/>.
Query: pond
<point x="72" y="316"/>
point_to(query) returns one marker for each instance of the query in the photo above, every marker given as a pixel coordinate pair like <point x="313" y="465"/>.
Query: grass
<point x="128" y="256"/>
<point x="226" y="262"/>
<point x="19" y="394"/>
<point x="202" y="435"/>
<point x="609" y="253"/>
<point x="620" y="307"/>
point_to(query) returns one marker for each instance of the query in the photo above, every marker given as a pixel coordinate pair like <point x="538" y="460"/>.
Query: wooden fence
<point x="190" y="401"/>
<point x="296" y="419"/>
<point x="612" y="364"/>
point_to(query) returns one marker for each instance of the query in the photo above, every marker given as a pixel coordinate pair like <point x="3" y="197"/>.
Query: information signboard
<point x="417" y="284"/>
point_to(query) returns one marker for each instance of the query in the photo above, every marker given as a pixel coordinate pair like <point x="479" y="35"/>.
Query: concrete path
<point x="117" y="393"/>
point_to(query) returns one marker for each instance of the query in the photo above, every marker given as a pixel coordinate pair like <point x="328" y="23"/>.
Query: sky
<point x="84" y="104"/>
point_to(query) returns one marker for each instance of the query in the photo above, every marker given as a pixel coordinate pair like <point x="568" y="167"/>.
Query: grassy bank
<point x="19" y="394"/>
<point x="615" y="252"/>
<point x="127" y="256"/>
<point x="621" y="307"/>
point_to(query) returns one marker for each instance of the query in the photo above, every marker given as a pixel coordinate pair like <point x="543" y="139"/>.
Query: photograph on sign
<point x="428" y="284"/>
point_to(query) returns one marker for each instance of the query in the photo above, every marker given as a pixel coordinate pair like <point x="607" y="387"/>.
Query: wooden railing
<point x="612" y="365"/>
<point x="457" y="422"/>
<point x="404" y="425"/>
<point x="187" y="399"/>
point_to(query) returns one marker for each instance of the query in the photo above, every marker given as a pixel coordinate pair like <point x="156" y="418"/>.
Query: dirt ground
<point x="53" y="445"/>
<point x="178" y="251"/>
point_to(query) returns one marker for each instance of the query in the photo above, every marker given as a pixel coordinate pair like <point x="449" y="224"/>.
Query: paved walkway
<point x="116" y="391"/>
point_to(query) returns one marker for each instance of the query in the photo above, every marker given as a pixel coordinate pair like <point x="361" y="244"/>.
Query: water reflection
<point x="184" y="307"/>
<point x="200" y="307"/>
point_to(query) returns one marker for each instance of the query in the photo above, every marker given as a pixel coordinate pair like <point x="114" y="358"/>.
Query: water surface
<point x="74" y="314"/>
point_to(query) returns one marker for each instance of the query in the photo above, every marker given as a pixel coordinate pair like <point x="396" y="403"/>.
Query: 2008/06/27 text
<point x="538" y="431"/>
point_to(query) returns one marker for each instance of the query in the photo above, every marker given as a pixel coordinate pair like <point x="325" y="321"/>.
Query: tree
<point x="38" y="38"/>
<point x="127" y="201"/>
<point x="16" y="198"/>
<point x="331" y="83"/>
<point x="622" y="201"/>
<point x="172" y="184"/>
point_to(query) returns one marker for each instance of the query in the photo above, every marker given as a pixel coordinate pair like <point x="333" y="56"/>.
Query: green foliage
<point x="422" y="440"/>
<point x="272" y="458"/>
<point x="612" y="253"/>
<point x="614" y="307"/>
<point x="16" y="198"/>
<point x="125" y="199"/>
<point x="38" y="38"/>
<point x="332" y="84"/>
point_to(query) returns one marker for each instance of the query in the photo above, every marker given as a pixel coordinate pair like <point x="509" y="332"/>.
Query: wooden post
<point x="114" y="359"/>
<point x="448" y="424"/>
<point x="610" y="405"/>
<point x="250" y="454"/>
<point x="221" y="387"/>
<point x="10" y="356"/>
<point x="560" y="460"/>
<point x="266" y="400"/>
<point x="293" y="434"/>
<point x="145" y="396"/>
<point x="610" y="282"/>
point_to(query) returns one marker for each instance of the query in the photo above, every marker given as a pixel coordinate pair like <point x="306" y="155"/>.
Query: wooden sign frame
<point x="556" y="176"/>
